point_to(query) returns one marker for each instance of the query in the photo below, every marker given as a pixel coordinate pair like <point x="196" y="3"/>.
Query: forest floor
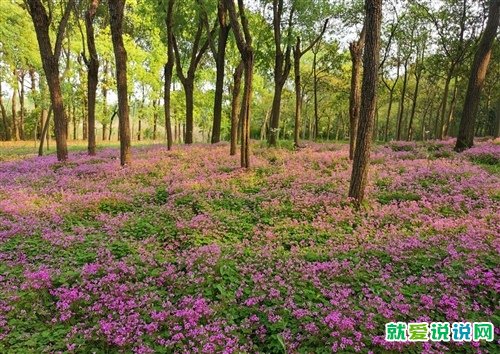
<point x="185" y="252"/>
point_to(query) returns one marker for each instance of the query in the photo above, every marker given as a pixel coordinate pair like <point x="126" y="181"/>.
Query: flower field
<point x="185" y="252"/>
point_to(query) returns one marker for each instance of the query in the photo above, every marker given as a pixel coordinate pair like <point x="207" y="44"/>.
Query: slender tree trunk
<point x="477" y="76"/>
<point x="168" y="71"/>
<point x="444" y="104"/>
<point x="449" y="118"/>
<point x="315" y="94"/>
<point x="402" y="101"/>
<point x="116" y="8"/>
<point x="244" y="42"/>
<point x="386" y="131"/>
<point x="155" y="119"/>
<point x="15" y="127"/>
<point x="189" y="94"/>
<point x="220" y="60"/>
<point x="75" y="123"/>
<point x="6" y="132"/>
<point x="282" y="66"/>
<point x="92" y="73"/>
<point x="413" y="107"/>
<point x="298" y="92"/>
<point x="356" y="50"/>
<point x="111" y="126"/>
<point x="50" y="61"/>
<point x="22" y="77"/>
<point x="371" y="60"/>
<point x="235" y="106"/>
<point x="45" y="130"/>
<point x="85" y="121"/>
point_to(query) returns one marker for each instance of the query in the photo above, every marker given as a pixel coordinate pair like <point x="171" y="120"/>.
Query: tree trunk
<point x="402" y="101"/>
<point x="116" y="8"/>
<point x="361" y="161"/>
<point x="235" y="106"/>
<point x="220" y="59"/>
<point x="46" y="123"/>
<point x="50" y="61"/>
<point x="6" y="132"/>
<point x="189" y="94"/>
<point x="298" y="92"/>
<point x="386" y="131"/>
<point x="282" y="66"/>
<point x="275" y="113"/>
<point x="15" y="127"/>
<point x="449" y="116"/>
<point x="155" y="119"/>
<point x="21" y="105"/>
<point x="356" y="50"/>
<point x="413" y="107"/>
<point x="92" y="75"/>
<point x="168" y="71"/>
<point x="244" y="44"/>
<point x="315" y="94"/>
<point x="444" y="104"/>
<point x="477" y="76"/>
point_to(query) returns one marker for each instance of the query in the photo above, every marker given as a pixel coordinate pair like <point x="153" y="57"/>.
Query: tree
<point x="244" y="43"/>
<point x="50" y="60"/>
<point x="168" y="71"/>
<point x="235" y="106"/>
<point x="195" y="52"/>
<point x="219" y="54"/>
<point x="361" y="160"/>
<point x="356" y="50"/>
<point x="282" y="63"/>
<point x="116" y="11"/>
<point x="92" y="63"/>
<point x="477" y="76"/>
<point x="298" y="52"/>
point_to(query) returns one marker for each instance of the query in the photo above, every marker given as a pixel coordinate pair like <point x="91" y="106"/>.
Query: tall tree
<point x="219" y="54"/>
<point x="116" y="11"/>
<point x="477" y="76"/>
<point x="50" y="60"/>
<point x="371" y="58"/>
<point x="282" y="62"/>
<point x="168" y="72"/>
<point x="235" y="106"/>
<point x="195" y="53"/>
<point x="356" y="50"/>
<point x="243" y="38"/>
<point x="298" y="52"/>
<point x="92" y="63"/>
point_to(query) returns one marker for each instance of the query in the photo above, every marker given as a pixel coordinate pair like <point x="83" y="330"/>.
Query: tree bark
<point x="356" y="50"/>
<point x="220" y="59"/>
<point x="235" y="106"/>
<point x="168" y="71"/>
<point x="418" y="75"/>
<point x="477" y="76"/>
<point x="315" y="94"/>
<point x="50" y="61"/>
<point x="371" y="58"/>
<point x="15" y="127"/>
<point x="92" y="73"/>
<point x="244" y="44"/>
<point x="22" y="76"/>
<point x="297" y="55"/>
<point x="46" y="123"/>
<point x="402" y="100"/>
<point x="6" y="132"/>
<point x="282" y="66"/>
<point x="116" y="9"/>
<point x="187" y="81"/>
